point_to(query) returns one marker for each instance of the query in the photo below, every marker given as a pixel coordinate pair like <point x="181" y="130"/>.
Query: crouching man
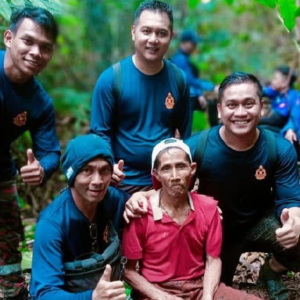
<point x="77" y="224"/>
<point x="178" y="243"/>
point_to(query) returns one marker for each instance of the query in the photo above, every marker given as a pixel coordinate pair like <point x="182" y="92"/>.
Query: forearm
<point x="50" y="163"/>
<point x="211" y="277"/>
<point x="144" y="287"/>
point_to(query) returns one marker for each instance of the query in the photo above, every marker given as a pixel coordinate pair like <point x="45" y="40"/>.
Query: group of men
<point x="173" y="243"/>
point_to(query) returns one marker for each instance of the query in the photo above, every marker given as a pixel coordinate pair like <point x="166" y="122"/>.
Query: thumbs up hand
<point x="33" y="172"/>
<point x="288" y="234"/>
<point x="106" y="289"/>
<point x="118" y="174"/>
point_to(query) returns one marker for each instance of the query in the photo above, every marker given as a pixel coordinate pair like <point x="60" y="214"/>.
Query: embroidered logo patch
<point x="69" y="172"/>
<point x="20" y="119"/>
<point x="260" y="173"/>
<point x="169" y="101"/>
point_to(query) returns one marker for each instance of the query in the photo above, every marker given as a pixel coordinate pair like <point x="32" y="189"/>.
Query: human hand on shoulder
<point x="33" y="172"/>
<point x="118" y="174"/>
<point x="137" y="205"/>
<point x="108" y="290"/>
<point x="291" y="136"/>
<point x="288" y="234"/>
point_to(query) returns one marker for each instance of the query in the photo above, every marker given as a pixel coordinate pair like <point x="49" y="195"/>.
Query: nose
<point x="97" y="178"/>
<point x="35" y="50"/>
<point x="241" y="111"/>
<point x="153" y="38"/>
<point x="174" y="173"/>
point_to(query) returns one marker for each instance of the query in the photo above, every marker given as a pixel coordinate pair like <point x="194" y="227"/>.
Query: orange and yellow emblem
<point x="20" y="119"/>
<point x="260" y="173"/>
<point x="169" y="101"/>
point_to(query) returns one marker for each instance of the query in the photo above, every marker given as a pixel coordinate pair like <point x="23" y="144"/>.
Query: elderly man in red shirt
<point x="178" y="243"/>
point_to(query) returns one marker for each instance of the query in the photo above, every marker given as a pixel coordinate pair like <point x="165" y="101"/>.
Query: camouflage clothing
<point x="12" y="281"/>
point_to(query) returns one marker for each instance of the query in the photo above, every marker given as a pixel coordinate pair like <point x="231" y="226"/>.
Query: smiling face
<point x="91" y="183"/>
<point x="174" y="171"/>
<point x="151" y="35"/>
<point x="29" y="50"/>
<point x="240" y="109"/>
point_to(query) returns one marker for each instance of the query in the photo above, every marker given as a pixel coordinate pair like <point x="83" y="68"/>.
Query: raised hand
<point x="106" y="289"/>
<point x="33" y="172"/>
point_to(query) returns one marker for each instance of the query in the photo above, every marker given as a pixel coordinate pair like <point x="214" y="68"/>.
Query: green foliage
<point x="270" y="3"/>
<point x="193" y="4"/>
<point x="287" y="9"/>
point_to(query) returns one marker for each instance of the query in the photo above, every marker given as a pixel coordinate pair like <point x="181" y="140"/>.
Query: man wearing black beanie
<point x="81" y="220"/>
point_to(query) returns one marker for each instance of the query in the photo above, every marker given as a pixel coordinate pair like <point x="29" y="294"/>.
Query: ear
<point x="8" y="35"/>
<point x="156" y="175"/>
<point x="219" y="110"/>
<point x="132" y="32"/>
<point x="194" y="168"/>
<point x="261" y="108"/>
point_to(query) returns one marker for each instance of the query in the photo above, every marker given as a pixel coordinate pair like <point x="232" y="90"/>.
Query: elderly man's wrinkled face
<point x="174" y="172"/>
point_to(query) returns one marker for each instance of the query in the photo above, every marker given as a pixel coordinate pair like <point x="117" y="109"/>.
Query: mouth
<point x="240" y="123"/>
<point x="33" y="63"/>
<point x="95" y="192"/>
<point x="152" y="49"/>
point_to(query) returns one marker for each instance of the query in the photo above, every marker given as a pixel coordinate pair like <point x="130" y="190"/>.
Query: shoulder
<point x="193" y="140"/>
<point x="206" y="202"/>
<point x="56" y="210"/>
<point x="114" y="198"/>
<point x="205" y="205"/>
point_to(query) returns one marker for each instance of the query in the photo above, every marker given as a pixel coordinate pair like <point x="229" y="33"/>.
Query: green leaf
<point x="297" y="12"/>
<point x="18" y="2"/>
<point x="5" y="9"/>
<point x="230" y="2"/>
<point x="193" y="4"/>
<point x="287" y="10"/>
<point x="270" y="3"/>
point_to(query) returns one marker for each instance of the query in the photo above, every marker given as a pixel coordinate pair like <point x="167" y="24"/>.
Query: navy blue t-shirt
<point x="62" y="235"/>
<point x="141" y="116"/>
<point x="26" y="107"/>
<point x="232" y="177"/>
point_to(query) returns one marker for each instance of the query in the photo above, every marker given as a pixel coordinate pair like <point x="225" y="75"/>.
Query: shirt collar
<point x="157" y="211"/>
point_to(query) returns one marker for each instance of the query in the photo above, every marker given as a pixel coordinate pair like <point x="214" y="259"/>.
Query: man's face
<point x="279" y="81"/>
<point x="29" y="50"/>
<point x="240" y="109"/>
<point x="151" y="36"/>
<point x="174" y="172"/>
<point x="92" y="182"/>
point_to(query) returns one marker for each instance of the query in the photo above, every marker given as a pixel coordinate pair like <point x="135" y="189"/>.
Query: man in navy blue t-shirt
<point x="82" y="222"/>
<point x="24" y="105"/>
<point x="150" y="104"/>
<point x="258" y="192"/>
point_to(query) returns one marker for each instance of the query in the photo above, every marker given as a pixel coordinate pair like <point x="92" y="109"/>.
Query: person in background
<point x="24" y="105"/>
<point x="282" y="96"/>
<point x="182" y="58"/>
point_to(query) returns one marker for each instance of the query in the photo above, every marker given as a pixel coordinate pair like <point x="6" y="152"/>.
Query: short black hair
<point x="156" y="163"/>
<point x="38" y="15"/>
<point x="286" y="71"/>
<point x="155" y="6"/>
<point x="238" y="78"/>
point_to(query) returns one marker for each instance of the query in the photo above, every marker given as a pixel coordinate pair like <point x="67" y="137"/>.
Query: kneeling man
<point x="80" y="223"/>
<point x="178" y="243"/>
